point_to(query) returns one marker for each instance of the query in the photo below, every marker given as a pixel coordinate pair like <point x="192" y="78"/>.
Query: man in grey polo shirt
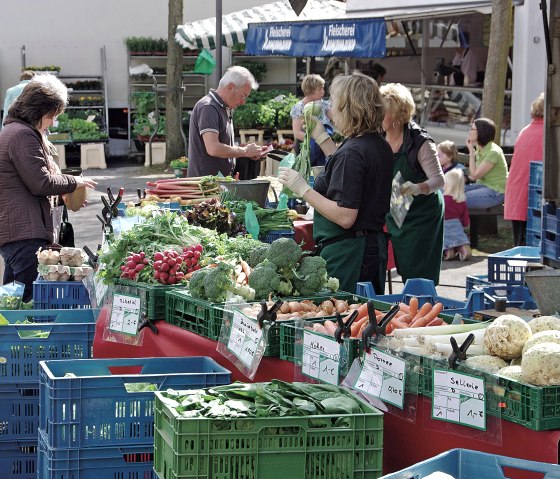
<point x="211" y="148"/>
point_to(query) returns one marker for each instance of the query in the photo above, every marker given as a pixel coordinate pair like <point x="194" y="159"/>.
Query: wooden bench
<point x="476" y="215"/>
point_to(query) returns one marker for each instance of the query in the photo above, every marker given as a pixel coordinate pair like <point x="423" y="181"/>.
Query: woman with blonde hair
<point x="351" y="196"/>
<point x="455" y="241"/>
<point x="418" y="242"/>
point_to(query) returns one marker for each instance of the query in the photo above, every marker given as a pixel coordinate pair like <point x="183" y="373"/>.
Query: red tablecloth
<point x="404" y="443"/>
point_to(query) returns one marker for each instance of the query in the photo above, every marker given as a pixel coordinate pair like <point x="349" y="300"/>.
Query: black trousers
<point x="519" y="232"/>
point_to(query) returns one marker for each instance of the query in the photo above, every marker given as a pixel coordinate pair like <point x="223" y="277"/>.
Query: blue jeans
<point x="480" y="196"/>
<point x="20" y="263"/>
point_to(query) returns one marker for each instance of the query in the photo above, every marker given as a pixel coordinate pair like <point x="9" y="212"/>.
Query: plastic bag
<point x="11" y="295"/>
<point x="400" y="204"/>
<point x="251" y="221"/>
<point x="125" y="317"/>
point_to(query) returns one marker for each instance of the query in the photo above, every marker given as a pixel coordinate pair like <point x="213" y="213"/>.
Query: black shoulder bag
<point x="66" y="235"/>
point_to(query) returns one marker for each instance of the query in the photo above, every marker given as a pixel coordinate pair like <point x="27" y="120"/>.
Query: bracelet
<point x="324" y="137"/>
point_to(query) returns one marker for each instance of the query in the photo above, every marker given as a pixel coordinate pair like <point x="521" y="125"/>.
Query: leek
<point x="439" y="330"/>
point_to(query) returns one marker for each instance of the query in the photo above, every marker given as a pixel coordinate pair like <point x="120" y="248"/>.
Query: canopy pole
<point x="219" y="38"/>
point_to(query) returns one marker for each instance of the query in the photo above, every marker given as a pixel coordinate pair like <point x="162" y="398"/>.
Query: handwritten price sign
<point x="125" y="314"/>
<point x="321" y="358"/>
<point x="245" y="336"/>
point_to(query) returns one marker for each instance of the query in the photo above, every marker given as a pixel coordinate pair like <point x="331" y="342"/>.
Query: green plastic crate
<point x="288" y="330"/>
<point x="196" y="315"/>
<point x="152" y="295"/>
<point x="272" y="448"/>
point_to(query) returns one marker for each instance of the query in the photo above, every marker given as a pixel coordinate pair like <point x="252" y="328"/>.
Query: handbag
<point x="66" y="235"/>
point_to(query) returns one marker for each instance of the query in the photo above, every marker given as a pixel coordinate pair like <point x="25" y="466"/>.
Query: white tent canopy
<point x="201" y="34"/>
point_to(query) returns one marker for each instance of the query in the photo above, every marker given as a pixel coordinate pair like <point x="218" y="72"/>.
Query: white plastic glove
<point x="319" y="131"/>
<point x="409" y="188"/>
<point x="294" y="181"/>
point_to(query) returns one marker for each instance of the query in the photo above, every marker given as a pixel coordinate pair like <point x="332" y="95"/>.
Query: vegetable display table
<point x="173" y="341"/>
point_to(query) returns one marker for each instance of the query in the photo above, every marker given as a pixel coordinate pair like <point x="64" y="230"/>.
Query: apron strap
<point x="350" y="234"/>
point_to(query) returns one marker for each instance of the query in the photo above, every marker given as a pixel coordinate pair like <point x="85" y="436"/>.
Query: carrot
<point x="319" y="328"/>
<point x="362" y="312"/>
<point x="424" y="309"/>
<point x="405" y="319"/>
<point x="405" y="307"/>
<point x="246" y="268"/>
<point x="435" y="322"/>
<point x="330" y="327"/>
<point x="356" y="325"/>
<point x="362" y="327"/>
<point x="427" y="318"/>
<point x="413" y="304"/>
<point x="398" y="325"/>
<point x="389" y="328"/>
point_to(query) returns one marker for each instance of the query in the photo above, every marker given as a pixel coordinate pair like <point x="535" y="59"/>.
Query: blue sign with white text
<point x="362" y="38"/>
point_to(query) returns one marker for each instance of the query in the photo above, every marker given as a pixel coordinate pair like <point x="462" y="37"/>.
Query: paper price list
<point x="321" y="358"/>
<point x="382" y="376"/>
<point x="244" y="338"/>
<point x="459" y="398"/>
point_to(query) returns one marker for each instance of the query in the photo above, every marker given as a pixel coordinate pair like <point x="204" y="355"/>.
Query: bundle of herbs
<point x="213" y="214"/>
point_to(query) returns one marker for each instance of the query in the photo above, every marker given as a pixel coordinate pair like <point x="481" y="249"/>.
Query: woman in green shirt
<point x="487" y="166"/>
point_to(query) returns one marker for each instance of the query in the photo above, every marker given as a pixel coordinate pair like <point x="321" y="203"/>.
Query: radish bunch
<point x="134" y="263"/>
<point x="170" y="267"/>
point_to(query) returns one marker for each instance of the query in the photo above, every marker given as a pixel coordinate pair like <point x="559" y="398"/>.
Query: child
<point x="455" y="241"/>
<point x="447" y="155"/>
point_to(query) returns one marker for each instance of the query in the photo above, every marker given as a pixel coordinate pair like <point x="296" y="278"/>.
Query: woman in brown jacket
<point x="27" y="179"/>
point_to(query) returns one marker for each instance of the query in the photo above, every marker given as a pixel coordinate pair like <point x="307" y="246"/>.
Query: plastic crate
<point x="509" y="266"/>
<point x="19" y="412"/>
<point x="268" y="447"/>
<point x="516" y="296"/>
<point x="476" y="280"/>
<point x="534" y="220"/>
<point x="94" y="409"/>
<point x="120" y="462"/>
<point x="550" y="245"/>
<point x="533" y="238"/>
<point x="536" y="174"/>
<point x="18" y="460"/>
<point x="467" y="464"/>
<point x="534" y="199"/>
<point x="193" y="314"/>
<point x="152" y="295"/>
<point x="276" y="234"/>
<point x="60" y="295"/>
<point x="70" y="336"/>
<point x="551" y="219"/>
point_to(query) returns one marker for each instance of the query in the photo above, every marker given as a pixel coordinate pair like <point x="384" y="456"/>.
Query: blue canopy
<point x="359" y="37"/>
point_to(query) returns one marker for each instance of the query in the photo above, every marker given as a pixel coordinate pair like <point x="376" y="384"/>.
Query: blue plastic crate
<point x="19" y="412"/>
<point x="60" y="295"/>
<point x="551" y="219"/>
<point x="276" y="234"/>
<point x="517" y="296"/>
<point x="534" y="219"/>
<point x="119" y="462"/>
<point x="536" y="174"/>
<point x="509" y="266"/>
<point x="550" y="245"/>
<point x="533" y="238"/>
<point x="18" y="459"/>
<point x="467" y="464"/>
<point x="94" y="408"/>
<point x="68" y="336"/>
<point x="534" y="199"/>
<point x="476" y="280"/>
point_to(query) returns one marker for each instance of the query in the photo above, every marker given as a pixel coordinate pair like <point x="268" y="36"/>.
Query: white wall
<point x="70" y="34"/>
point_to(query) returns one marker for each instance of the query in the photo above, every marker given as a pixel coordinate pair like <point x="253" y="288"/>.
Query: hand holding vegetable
<point x="409" y="188"/>
<point x="294" y="181"/>
<point x="318" y="129"/>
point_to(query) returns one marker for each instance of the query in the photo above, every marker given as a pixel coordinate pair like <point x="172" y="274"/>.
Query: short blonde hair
<point x="449" y="148"/>
<point x="312" y="83"/>
<point x="537" y="107"/>
<point x="359" y="104"/>
<point x="399" y="102"/>
<point x="455" y="184"/>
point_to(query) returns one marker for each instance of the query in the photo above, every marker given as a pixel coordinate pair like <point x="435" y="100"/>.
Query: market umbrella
<point x="202" y="33"/>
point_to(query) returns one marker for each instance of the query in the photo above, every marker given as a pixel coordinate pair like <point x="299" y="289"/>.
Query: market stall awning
<point x="201" y="34"/>
<point x="361" y="38"/>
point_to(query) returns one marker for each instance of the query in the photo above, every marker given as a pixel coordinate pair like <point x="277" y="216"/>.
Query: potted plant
<point x="180" y="166"/>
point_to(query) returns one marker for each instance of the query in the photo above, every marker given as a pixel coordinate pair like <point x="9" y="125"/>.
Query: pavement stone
<point x="87" y="228"/>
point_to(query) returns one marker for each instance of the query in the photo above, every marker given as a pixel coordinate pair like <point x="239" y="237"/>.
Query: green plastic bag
<point x="251" y="222"/>
<point x="282" y="202"/>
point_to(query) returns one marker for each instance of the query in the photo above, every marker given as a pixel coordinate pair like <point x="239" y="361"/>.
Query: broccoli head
<point x="196" y="283"/>
<point x="311" y="275"/>
<point x="218" y="282"/>
<point x="284" y="253"/>
<point x="264" y="280"/>
<point x="258" y="254"/>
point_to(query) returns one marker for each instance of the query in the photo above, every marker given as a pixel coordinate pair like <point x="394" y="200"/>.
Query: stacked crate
<point x="23" y="344"/>
<point x="97" y="415"/>
<point x="534" y="204"/>
<point x="550" y="246"/>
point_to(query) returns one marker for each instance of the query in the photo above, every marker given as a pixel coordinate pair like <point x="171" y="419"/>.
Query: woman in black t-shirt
<point x="351" y="196"/>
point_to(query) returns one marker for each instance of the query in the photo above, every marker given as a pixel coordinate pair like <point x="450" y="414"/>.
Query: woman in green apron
<point x="418" y="241"/>
<point x="351" y="196"/>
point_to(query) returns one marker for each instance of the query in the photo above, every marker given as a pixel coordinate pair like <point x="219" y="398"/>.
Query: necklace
<point x="395" y="142"/>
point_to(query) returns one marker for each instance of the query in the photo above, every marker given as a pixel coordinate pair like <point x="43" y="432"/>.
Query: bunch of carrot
<point x="408" y="316"/>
